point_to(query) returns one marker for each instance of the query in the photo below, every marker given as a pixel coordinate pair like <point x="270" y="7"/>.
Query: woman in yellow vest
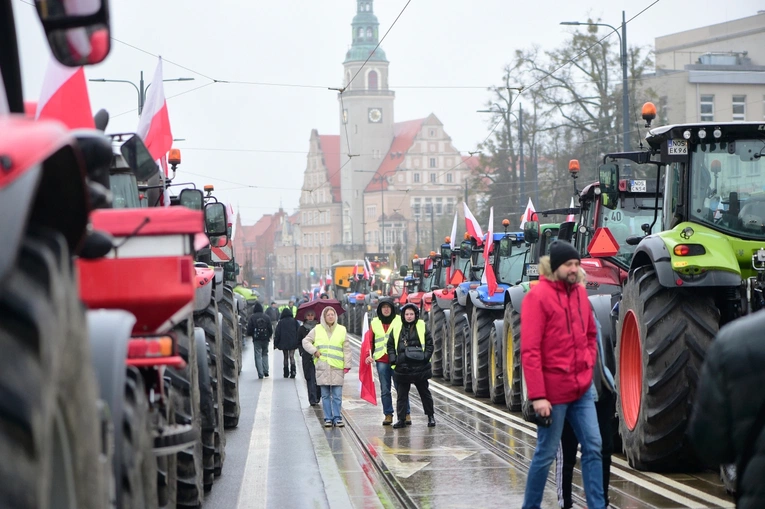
<point x="331" y="350"/>
<point x="410" y="347"/>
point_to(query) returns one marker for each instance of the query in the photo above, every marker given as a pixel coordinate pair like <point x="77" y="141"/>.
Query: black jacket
<point x="406" y="367"/>
<point x="303" y="331"/>
<point x="272" y="313"/>
<point x="258" y="316"/>
<point x="286" y="335"/>
<point x="728" y="399"/>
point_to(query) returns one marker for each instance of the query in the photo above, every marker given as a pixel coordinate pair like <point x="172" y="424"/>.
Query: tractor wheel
<point x="167" y="465"/>
<point x="139" y="465"/>
<point x="351" y="317"/>
<point x="436" y="329"/>
<point x="664" y="335"/>
<point x="186" y="405"/>
<point x="209" y="321"/>
<point x="481" y="325"/>
<point x="458" y="321"/>
<point x="446" y="346"/>
<point x="511" y="367"/>
<point x="496" y="377"/>
<point x="358" y="326"/>
<point x="463" y="334"/>
<point x="50" y="438"/>
<point x="231" y="360"/>
<point x="342" y="319"/>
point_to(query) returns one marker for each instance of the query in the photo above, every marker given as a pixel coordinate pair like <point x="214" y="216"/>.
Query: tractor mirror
<point x="566" y="231"/>
<point x="403" y="270"/>
<point x="466" y="250"/>
<point x="531" y="232"/>
<point x="139" y="159"/>
<point x="191" y="198"/>
<point x="77" y="30"/>
<point x="446" y="254"/>
<point x="608" y="176"/>
<point x="215" y="219"/>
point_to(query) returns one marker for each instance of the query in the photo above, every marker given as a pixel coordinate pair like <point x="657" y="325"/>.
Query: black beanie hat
<point x="560" y="253"/>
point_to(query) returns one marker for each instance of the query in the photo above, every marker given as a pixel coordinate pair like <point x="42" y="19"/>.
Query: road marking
<point x="254" y="491"/>
<point x="394" y="465"/>
<point x="508" y="418"/>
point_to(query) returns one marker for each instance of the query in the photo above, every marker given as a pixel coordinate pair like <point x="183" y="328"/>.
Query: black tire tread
<point x="481" y="323"/>
<point x="435" y="324"/>
<point x="512" y="374"/>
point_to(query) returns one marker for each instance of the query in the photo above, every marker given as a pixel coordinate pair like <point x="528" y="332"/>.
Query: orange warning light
<point x="174" y="158"/>
<point x="432" y="253"/>
<point x="505" y="223"/>
<point x="603" y="244"/>
<point x="648" y="112"/>
<point x="416" y="256"/>
<point x="209" y="188"/>
<point x="447" y="240"/>
<point x="467" y="236"/>
<point x="573" y="166"/>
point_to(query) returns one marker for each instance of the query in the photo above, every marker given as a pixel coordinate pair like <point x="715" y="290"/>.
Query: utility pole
<point x="466" y="191"/>
<point x="523" y="167"/>
<point x="417" y="230"/>
<point x="294" y="245"/>
<point x="625" y="88"/>
<point x="432" y="229"/>
<point x="382" y="208"/>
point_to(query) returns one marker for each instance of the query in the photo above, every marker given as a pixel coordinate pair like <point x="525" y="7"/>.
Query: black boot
<point x="431" y="421"/>
<point x="286" y="372"/>
<point x="293" y="371"/>
<point x="399" y="424"/>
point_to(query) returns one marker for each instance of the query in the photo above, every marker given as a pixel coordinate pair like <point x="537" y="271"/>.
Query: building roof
<point x="329" y="144"/>
<point x="471" y="161"/>
<point x="404" y="134"/>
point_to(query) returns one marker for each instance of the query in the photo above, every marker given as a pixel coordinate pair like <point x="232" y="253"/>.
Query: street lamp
<point x="625" y="86"/>
<point x="518" y="117"/>
<point x="138" y="88"/>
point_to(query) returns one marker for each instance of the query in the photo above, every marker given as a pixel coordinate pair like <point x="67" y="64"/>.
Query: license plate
<point x="532" y="269"/>
<point x="637" y="186"/>
<point x="677" y="147"/>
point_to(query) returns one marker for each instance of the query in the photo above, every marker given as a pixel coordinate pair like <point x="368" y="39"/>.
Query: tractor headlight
<point x="702" y="134"/>
<point x="687" y="134"/>
<point x="717" y="133"/>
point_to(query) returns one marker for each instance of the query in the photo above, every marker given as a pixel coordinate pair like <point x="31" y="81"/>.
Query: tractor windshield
<point x="727" y="187"/>
<point x="627" y="219"/>
<point x="124" y="191"/>
<point x="511" y="257"/>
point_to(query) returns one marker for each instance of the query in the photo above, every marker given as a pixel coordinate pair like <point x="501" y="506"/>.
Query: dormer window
<point x="369" y="33"/>
<point x="361" y="33"/>
<point x="368" y="7"/>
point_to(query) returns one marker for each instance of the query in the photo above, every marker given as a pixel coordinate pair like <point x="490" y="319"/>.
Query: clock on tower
<point x="375" y="115"/>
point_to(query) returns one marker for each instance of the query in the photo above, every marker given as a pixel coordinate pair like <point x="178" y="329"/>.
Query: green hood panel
<point x="724" y="253"/>
<point x="246" y="293"/>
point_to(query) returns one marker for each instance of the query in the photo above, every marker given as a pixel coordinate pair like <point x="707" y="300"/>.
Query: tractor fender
<point x="653" y="251"/>
<point x="515" y="295"/>
<point x="109" y="331"/>
<point x="462" y="297"/>
<point x="447" y="314"/>
<point x="16" y="201"/>
<point x="475" y="300"/>
<point x="499" y="326"/>
<point x="601" y="306"/>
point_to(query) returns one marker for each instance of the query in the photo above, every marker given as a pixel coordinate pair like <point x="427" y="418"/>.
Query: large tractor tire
<point x="496" y="358"/>
<point x="210" y="322"/>
<point x="50" y="438"/>
<point x="232" y="354"/>
<point x="139" y="465"/>
<point x="458" y="322"/>
<point x="481" y="325"/>
<point x="167" y="465"/>
<point x="446" y="348"/>
<point x="351" y="314"/>
<point x="208" y="411"/>
<point x="436" y="325"/>
<point x="186" y="406"/>
<point x="663" y="337"/>
<point x="511" y="365"/>
<point x="361" y="313"/>
<point x="464" y="334"/>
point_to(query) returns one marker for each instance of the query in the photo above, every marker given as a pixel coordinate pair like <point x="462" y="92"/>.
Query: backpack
<point x="261" y="328"/>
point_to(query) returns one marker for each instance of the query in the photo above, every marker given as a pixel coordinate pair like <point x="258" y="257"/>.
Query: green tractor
<point x="700" y="265"/>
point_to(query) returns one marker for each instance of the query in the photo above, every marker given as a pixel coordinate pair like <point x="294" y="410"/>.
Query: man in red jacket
<point x="558" y="352"/>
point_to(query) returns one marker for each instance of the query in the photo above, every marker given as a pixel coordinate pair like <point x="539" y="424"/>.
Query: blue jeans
<point x="583" y="418"/>
<point x="332" y="402"/>
<point x="385" y="374"/>
<point x="260" y="347"/>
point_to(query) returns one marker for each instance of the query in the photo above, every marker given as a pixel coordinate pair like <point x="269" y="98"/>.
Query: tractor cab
<point x="507" y="257"/>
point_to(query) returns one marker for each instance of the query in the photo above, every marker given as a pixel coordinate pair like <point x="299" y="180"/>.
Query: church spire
<point x="365" y="34"/>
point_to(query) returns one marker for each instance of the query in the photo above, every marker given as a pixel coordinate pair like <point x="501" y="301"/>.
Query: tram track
<point x="500" y="438"/>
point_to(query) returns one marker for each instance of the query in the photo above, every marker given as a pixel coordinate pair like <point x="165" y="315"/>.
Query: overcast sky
<point x="435" y="43"/>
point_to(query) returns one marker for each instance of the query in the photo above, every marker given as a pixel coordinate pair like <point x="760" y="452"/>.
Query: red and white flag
<point x="528" y="214"/>
<point x="571" y="217"/>
<point x="473" y="228"/>
<point x="489" y="278"/>
<point x="366" y="381"/>
<point x="64" y="97"/>
<point x="356" y="270"/>
<point x="154" y="125"/>
<point x="452" y="244"/>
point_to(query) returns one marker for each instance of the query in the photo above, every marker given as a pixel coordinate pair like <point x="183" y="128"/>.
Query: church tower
<point x="366" y="114"/>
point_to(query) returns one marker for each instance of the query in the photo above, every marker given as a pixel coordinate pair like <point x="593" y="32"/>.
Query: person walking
<point x="377" y="339"/>
<point x="273" y="314"/>
<point x="259" y="327"/>
<point x="309" y="370"/>
<point x="558" y="352"/>
<point x="328" y="344"/>
<point x="410" y="347"/>
<point x="286" y="340"/>
<point x="727" y="424"/>
<point x="605" y="407"/>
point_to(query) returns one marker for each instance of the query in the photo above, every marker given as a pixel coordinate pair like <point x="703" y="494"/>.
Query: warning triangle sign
<point x="603" y="244"/>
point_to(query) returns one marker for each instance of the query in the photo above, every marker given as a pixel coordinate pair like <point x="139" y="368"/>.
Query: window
<point x="321" y="239"/>
<point x="372" y="80"/>
<point x="369" y="237"/>
<point x="305" y="261"/>
<point x="433" y="178"/>
<point x="416" y="177"/>
<point x="315" y="239"/>
<point x="707" y="108"/>
<point x="416" y="207"/>
<point x="432" y="162"/>
<point x="346" y="237"/>
<point x="361" y="33"/>
<point x="439" y="206"/>
<point x="377" y="236"/>
<point x="371" y="211"/>
<point x="432" y="133"/>
<point x="368" y="7"/>
<point x="448" y="178"/>
<point x="739" y="108"/>
<point x="369" y="33"/>
<point x="450" y="206"/>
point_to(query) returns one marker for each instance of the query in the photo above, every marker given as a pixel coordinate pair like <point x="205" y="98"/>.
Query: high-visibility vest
<point x="331" y="349"/>
<point x="397" y="326"/>
<point x="381" y="337"/>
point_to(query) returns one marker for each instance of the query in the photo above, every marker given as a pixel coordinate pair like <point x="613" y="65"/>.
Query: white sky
<point x="435" y="43"/>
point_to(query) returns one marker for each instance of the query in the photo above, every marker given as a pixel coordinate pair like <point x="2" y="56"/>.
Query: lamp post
<point x="519" y="118"/>
<point x="625" y="85"/>
<point x="138" y="88"/>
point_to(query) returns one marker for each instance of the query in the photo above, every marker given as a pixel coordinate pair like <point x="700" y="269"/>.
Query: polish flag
<point x="489" y="278"/>
<point x="452" y="244"/>
<point x="366" y="271"/>
<point x="64" y="97"/>
<point x="366" y="381"/>
<point x="570" y="218"/>
<point x="154" y="125"/>
<point x="473" y="228"/>
<point x="356" y="271"/>
<point x="528" y="214"/>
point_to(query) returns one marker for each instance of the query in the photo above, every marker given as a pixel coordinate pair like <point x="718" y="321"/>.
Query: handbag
<point x="529" y="415"/>
<point x="414" y="353"/>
